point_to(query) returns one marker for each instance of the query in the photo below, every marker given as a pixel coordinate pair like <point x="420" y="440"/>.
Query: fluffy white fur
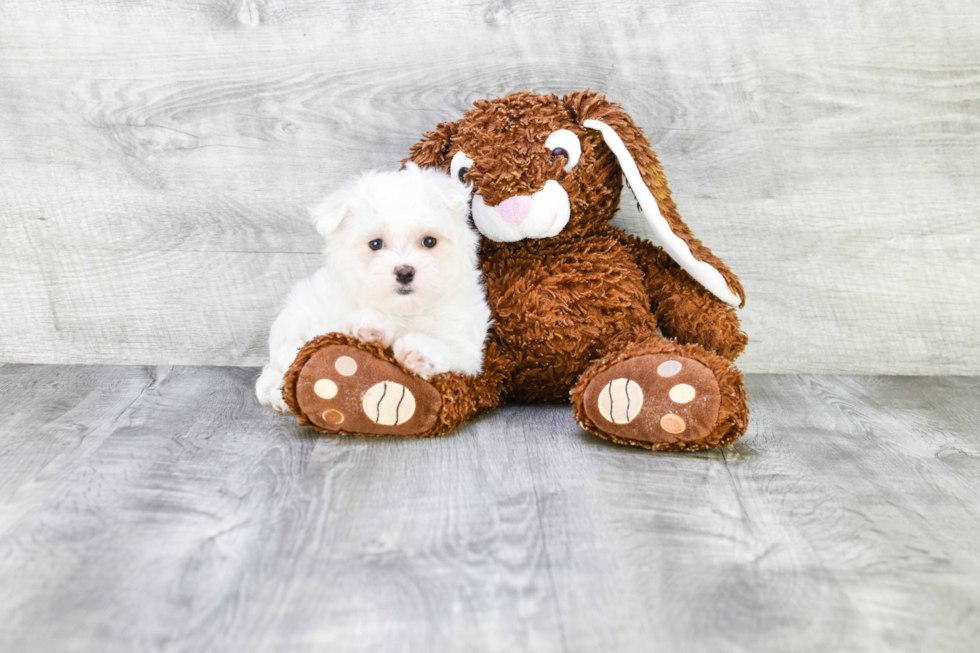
<point x="436" y="323"/>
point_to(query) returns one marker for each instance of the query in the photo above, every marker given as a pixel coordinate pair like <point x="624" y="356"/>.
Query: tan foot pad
<point x="654" y="398"/>
<point x="344" y="389"/>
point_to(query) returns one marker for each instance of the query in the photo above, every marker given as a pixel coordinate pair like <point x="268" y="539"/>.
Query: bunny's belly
<point x="556" y="309"/>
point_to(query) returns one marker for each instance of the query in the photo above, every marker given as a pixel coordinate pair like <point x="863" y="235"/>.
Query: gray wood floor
<point x="159" y="509"/>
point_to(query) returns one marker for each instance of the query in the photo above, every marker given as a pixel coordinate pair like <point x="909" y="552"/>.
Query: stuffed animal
<point x="639" y="337"/>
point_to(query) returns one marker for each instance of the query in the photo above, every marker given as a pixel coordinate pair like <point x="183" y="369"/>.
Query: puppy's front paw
<point x="424" y="355"/>
<point x="369" y="327"/>
<point x="279" y="404"/>
<point x="417" y="362"/>
<point x="268" y="390"/>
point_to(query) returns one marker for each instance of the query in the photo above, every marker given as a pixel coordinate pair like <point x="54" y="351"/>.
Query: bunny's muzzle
<point x="540" y="215"/>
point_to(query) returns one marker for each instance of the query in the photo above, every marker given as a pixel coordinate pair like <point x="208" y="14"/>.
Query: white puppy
<point x="401" y="269"/>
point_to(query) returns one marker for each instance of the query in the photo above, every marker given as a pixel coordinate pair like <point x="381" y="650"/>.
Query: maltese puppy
<point x="401" y="270"/>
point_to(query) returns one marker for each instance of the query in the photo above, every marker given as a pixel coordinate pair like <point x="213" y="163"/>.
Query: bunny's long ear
<point x="433" y="150"/>
<point x="645" y="177"/>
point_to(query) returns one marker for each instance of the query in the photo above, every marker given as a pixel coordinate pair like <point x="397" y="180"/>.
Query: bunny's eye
<point x="565" y="143"/>
<point x="459" y="166"/>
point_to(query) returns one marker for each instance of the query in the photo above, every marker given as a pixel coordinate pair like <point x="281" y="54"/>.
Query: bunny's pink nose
<point x="515" y="209"/>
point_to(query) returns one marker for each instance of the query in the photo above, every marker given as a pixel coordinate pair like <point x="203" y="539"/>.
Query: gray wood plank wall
<point x="156" y="158"/>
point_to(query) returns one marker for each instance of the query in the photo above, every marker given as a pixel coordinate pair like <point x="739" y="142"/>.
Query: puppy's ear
<point x="328" y="214"/>
<point x="433" y="150"/>
<point x="454" y="195"/>
<point x="646" y="179"/>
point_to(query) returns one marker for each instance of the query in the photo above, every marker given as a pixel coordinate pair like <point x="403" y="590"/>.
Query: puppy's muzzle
<point x="404" y="274"/>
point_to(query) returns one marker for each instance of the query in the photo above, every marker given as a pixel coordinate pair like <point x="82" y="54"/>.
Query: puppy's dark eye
<point x="376" y="244"/>
<point x="559" y="151"/>
<point x="429" y="242"/>
<point x="462" y="173"/>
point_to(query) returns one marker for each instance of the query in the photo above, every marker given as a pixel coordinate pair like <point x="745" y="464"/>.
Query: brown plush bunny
<point x="640" y="337"/>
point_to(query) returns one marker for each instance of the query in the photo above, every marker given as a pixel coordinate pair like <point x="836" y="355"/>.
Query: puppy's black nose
<point x="405" y="274"/>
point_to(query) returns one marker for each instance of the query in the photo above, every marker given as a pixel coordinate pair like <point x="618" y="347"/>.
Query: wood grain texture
<point x="161" y="509"/>
<point x="156" y="158"/>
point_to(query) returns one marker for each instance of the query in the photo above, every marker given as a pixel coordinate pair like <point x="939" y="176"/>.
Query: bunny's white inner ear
<point x="678" y="250"/>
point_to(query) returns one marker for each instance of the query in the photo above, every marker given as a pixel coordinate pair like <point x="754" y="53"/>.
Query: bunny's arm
<point x="685" y="311"/>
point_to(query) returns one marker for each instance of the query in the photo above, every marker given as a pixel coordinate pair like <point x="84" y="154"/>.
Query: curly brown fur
<point x="593" y="106"/>
<point x="684" y="310"/>
<point x="506" y="137"/>
<point x="556" y="302"/>
<point x="565" y="308"/>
